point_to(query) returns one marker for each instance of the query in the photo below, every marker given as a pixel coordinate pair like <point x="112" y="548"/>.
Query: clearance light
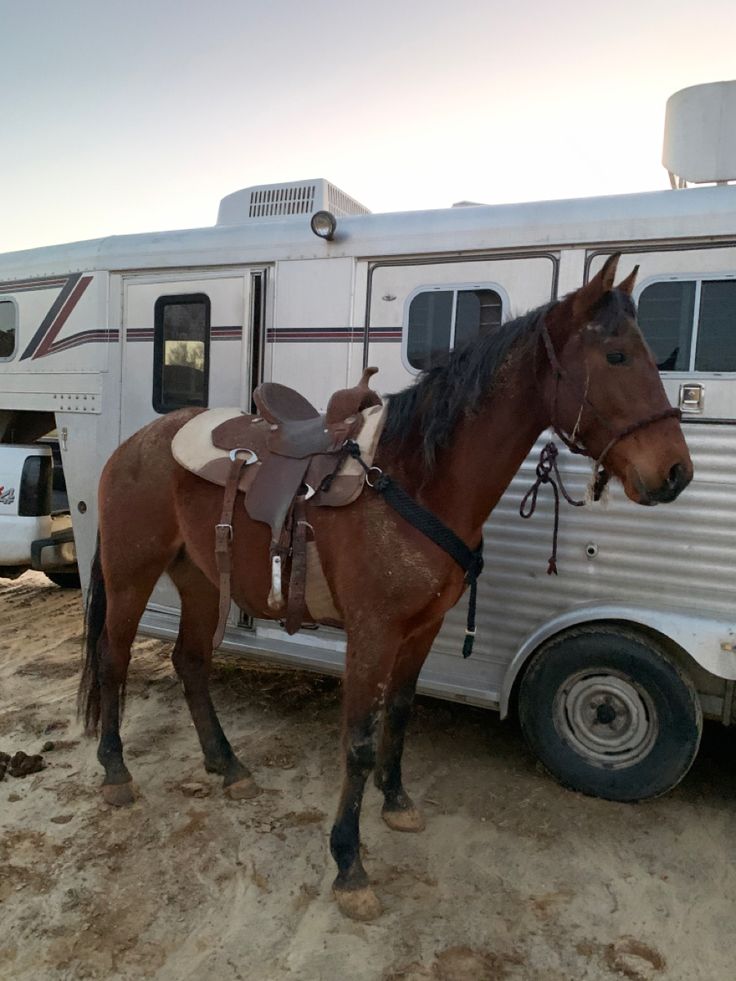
<point x="324" y="224"/>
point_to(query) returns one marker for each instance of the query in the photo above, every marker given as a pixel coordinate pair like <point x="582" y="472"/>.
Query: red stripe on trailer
<point x="61" y="318"/>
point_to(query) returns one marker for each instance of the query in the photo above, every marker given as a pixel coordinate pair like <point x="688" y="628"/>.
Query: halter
<point x="601" y="475"/>
<point x="547" y="472"/>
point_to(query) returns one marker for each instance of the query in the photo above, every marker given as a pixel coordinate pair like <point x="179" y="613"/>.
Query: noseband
<point x="572" y="441"/>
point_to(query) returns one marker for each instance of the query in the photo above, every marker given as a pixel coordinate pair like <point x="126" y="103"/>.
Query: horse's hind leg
<point x="399" y="811"/>
<point x="125" y="607"/>
<point x="192" y="659"/>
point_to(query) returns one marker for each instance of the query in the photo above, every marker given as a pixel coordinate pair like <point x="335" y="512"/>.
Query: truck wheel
<point x="67" y="580"/>
<point x="609" y="714"/>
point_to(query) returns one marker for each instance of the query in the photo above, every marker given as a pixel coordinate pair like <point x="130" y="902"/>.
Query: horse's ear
<point x="587" y="296"/>
<point x="627" y="285"/>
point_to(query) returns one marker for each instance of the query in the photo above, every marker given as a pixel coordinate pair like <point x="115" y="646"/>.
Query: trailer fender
<point x="711" y="643"/>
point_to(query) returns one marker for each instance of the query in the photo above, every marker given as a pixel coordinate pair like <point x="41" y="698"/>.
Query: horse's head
<point x="606" y="393"/>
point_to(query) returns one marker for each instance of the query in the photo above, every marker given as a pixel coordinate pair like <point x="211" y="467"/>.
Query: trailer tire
<point x="67" y="580"/>
<point x="610" y="714"/>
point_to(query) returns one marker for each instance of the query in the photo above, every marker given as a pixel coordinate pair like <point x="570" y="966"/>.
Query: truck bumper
<point x="56" y="553"/>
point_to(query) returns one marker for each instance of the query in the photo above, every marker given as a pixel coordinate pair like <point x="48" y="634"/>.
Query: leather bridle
<point x="572" y="441"/>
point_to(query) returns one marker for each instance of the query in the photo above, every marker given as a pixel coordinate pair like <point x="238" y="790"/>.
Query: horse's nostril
<point x="680" y="477"/>
<point x="677" y="480"/>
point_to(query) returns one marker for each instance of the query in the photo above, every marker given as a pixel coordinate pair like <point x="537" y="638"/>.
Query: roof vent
<point x="266" y="201"/>
<point x="700" y="135"/>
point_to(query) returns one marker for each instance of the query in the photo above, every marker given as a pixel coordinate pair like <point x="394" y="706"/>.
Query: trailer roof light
<point x="323" y="224"/>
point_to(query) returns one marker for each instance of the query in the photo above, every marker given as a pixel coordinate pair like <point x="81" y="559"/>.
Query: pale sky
<point x="139" y="115"/>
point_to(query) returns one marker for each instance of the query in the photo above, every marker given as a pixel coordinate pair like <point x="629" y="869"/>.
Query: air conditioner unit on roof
<point x="265" y="201"/>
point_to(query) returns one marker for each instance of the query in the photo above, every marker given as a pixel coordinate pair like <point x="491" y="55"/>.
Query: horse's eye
<point x="616" y="357"/>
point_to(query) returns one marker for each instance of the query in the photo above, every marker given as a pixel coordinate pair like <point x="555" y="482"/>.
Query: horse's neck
<point x="486" y="451"/>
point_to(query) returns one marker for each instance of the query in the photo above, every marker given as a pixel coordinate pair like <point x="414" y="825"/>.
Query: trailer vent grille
<point x="283" y="200"/>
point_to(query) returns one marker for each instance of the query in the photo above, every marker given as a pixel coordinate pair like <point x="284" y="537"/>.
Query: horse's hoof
<point x="411" y="819"/>
<point x="358" y="904"/>
<point x="242" y="789"/>
<point x="118" y="794"/>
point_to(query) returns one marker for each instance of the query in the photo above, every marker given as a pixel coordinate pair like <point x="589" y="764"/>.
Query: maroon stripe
<point x="146" y="334"/>
<point x="318" y="338"/>
<point x="308" y="340"/>
<point x="315" y="333"/>
<point x="26" y="285"/>
<point x="86" y="337"/>
<point x="45" y="346"/>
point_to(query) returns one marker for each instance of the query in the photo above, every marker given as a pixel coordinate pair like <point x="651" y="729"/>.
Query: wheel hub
<point x="606" y="717"/>
<point x="605" y="714"/>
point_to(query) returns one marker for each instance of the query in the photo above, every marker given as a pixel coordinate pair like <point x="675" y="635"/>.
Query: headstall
<point x="547" y="472"/>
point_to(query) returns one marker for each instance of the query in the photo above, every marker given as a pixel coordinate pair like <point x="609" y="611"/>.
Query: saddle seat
<point x="299" y="430"/>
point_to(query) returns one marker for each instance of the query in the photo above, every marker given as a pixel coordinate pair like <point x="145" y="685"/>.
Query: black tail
<point x="88" y="697"/>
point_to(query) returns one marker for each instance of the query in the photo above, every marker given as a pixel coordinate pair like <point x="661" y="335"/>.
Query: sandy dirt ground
<point x="514" y="877"/>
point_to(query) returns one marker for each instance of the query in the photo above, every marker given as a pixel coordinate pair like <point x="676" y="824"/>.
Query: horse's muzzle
<point x="677" y="480"/>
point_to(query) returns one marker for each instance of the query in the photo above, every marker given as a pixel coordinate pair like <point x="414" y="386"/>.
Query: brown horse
<point x="454" y="440"/>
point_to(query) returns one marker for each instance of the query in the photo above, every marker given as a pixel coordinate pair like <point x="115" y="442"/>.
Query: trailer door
<point x="190" y="340"/>
<point x="417" y="309"/>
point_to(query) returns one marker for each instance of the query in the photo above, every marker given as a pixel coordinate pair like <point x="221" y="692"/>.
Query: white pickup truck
<point x="35" y="524"/>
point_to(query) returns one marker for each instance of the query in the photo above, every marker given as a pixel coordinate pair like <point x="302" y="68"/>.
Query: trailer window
<point x="8" y="329"/>
<point x="441" y="320"/>
<point x="666" y="320"/>
<point x="181" y="350"/>
<point x="716" y="347"/>
<point x="672" y="313"/>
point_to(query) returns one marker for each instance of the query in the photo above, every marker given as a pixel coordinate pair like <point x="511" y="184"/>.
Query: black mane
<point x="430" y="409"/>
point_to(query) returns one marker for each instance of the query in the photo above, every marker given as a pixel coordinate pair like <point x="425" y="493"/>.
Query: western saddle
<point x="281" y="458"/>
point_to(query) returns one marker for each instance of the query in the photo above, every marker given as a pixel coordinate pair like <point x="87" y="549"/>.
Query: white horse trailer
<point x="100" y="337"/>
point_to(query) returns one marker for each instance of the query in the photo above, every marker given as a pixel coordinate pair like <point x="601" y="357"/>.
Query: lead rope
<point x="547" y="473"/>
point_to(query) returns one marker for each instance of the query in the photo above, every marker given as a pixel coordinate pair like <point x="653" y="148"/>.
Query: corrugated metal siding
<point x="678" y="556"/>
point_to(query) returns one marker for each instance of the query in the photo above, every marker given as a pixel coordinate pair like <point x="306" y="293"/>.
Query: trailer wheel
<point x="610" y="714"/>
<point x="67" y="580"/>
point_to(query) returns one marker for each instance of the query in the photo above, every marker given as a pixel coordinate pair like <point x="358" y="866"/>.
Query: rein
<point x="547" y="471"/>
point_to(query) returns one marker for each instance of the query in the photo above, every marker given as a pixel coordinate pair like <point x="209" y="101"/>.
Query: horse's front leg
<point x="367" y="671"/>
<point x="399" y="811"/>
